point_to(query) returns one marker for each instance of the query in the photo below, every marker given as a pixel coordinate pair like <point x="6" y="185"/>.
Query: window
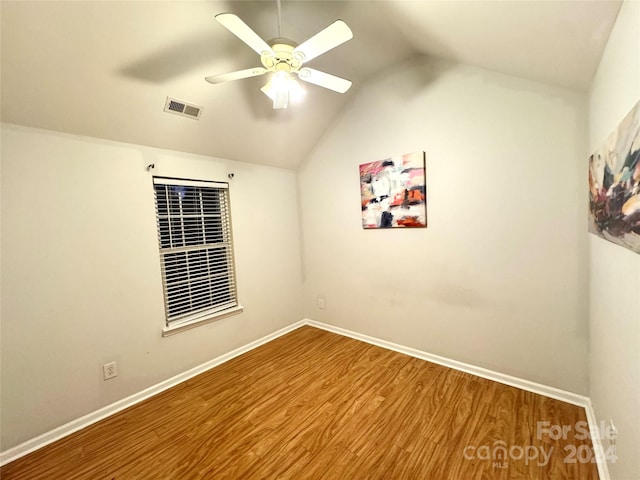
<point x="196" y="251"/>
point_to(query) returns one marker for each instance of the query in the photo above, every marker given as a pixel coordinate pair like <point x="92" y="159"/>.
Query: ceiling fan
<point x="283" y="57"/>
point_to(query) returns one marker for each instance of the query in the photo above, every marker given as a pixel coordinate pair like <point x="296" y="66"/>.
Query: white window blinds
<point x="196" y="249"/>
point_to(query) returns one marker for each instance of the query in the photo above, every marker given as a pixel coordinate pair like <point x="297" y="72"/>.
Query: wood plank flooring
<point x="316" y="405"/>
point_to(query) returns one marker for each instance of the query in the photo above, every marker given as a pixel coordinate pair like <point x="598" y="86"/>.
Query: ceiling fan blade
<point x="325" y="80"/>
<point x="335" y="34"/>
<point x="226" y="77"/>
<point x="235" y="25"/>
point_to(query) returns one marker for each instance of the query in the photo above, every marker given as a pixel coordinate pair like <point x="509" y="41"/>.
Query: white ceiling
<point x="104" y="68"/>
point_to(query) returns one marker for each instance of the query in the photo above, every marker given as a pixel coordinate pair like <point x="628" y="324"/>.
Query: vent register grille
<point x="182" y="108"/>
<point x="194" y="232"/>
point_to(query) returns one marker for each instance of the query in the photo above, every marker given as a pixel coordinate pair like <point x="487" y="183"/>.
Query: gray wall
<point x="498" y="278"/>
<point x="81" y="281"/>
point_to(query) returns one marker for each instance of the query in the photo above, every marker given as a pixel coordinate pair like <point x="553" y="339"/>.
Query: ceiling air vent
<point x="182" y="108"/>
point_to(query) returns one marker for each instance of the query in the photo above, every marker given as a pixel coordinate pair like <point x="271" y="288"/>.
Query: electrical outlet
<point x="321" y="302"/>
<point x="110" y="370"/>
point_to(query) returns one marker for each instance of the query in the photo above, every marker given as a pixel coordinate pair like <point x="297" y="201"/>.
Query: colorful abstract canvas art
<point x="394" y="192"/>
<point x="614" y="185"/>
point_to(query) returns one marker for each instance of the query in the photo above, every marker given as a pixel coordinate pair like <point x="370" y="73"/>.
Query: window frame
<point x="171" y="254"/>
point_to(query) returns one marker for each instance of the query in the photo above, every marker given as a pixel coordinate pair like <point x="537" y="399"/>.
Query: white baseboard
<point x="527" y="385"/>
<point x="93" y="417"/>
<point x="540" y="389"/>
<point x="82" y="422"/>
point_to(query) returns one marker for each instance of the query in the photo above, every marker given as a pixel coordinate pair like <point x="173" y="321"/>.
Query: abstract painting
<point x="394" y="192"/>
<point x="614" y="185"/>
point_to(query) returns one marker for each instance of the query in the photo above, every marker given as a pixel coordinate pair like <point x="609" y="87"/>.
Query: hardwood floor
<point x="316" y="405"/>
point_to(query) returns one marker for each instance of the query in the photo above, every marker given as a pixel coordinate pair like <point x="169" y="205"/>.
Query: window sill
<point x="173" y="329"/>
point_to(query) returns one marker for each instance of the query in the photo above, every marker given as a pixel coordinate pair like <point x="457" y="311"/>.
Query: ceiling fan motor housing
<point x="285" y="58"/>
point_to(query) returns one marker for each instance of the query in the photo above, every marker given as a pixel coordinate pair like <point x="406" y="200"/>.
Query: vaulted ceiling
<point x="104" y="68"/>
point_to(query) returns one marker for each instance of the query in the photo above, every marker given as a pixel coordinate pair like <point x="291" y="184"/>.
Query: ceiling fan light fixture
<point x="296" y="92"/>
<point x="282" y="88"/>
